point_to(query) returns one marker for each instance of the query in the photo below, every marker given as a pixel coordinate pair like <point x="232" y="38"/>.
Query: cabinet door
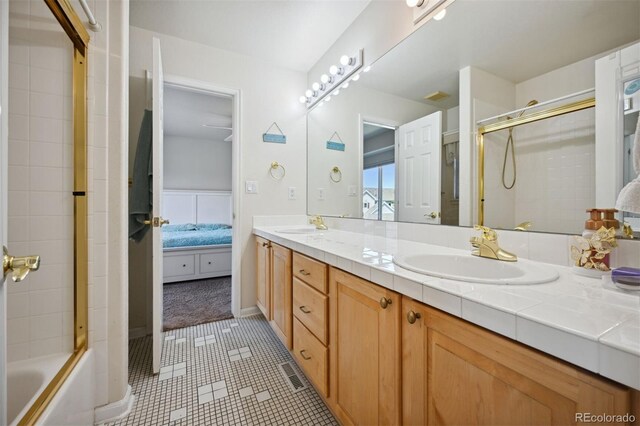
<point x="263" y="276"/>
<point x="475" y="377"/>
<point x="364" y="351"/>
<point x="281" y="293"/>
<point x="414" y="362"/>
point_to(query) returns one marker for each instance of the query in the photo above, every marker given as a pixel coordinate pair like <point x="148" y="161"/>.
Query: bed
<point x="197" y="243"/>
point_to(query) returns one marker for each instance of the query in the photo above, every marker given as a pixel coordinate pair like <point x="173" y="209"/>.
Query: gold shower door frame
<point x="76" y="31"/>
<point x="515" y="122"/>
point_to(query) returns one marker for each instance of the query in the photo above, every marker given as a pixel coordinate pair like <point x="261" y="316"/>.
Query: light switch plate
<point x="251" y="187"/>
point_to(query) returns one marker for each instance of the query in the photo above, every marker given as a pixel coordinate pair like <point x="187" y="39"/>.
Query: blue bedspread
<point x="189" y="235"/>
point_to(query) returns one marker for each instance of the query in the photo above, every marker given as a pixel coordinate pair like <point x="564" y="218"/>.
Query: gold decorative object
<point x="590" y="253"/>
<point x="627" y="230"/>
<point x="487" y="245"/>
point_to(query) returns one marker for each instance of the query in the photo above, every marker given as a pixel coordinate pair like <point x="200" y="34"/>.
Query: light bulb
<point x="303" y="99"/>
<point x="367" y="69"/>
<point x="440" y="15"/>
<point x="356" y="77"/>
<point x="325" y="78"/>
<point x="327" y="99"/>
<point x="344" y="86"/>
<point x="336" y="93"/>
<point x="320" y="104"/>
<point x="333" y="70"/>
<point x="414" y="3"/>
<point x="345" y="60"/>
<point x="315" y="86"/>
<point x="308" y="93"/>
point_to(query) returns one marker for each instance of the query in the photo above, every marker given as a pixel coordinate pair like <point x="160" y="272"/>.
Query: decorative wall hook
<point x="274" y="170"/>
<point x="335" y="174"/>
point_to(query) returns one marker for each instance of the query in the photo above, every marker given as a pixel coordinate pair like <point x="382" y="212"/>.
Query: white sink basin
<point x="476" y="269"/>
<point x="307" y="230"/>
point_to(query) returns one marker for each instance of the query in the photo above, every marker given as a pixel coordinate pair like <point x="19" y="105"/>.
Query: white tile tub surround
<point x="566" y="318"/>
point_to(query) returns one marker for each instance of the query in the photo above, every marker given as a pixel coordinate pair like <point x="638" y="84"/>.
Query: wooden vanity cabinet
<point x="281" y="318"/>
<point x="263" y="276"/>
<point x="457" y="373"/>
<point x="364" y="338"/>
<point x="310" y="325"/>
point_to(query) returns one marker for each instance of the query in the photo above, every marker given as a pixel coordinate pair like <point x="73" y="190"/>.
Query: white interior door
<point x="4" y="85"/>
<point x="418" y="164"/>
<point x="156" y="235"/>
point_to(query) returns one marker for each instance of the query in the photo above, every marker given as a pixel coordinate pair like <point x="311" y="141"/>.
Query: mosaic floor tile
<point x="190" y="399"/>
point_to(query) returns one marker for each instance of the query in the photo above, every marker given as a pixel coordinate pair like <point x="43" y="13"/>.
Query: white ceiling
<point x="186" y="111"/>
<point x="516" y="40"/>
<point x="291" y="33"/>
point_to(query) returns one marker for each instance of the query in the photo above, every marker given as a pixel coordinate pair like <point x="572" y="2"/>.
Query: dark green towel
<point x="140" y="194"/>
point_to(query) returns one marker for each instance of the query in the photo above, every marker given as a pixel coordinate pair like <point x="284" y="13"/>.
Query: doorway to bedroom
<point x="197" y="199"/>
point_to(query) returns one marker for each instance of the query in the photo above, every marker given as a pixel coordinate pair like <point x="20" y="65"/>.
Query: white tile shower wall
<point x="40" y="203"/>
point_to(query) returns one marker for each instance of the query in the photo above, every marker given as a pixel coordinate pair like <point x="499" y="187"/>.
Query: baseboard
<point x="246" y="312"/>
<point x="116" y="410"/>
<point x="135" y="333"/>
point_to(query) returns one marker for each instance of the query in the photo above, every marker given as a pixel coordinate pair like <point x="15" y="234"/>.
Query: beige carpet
<point x="190" y="303"/>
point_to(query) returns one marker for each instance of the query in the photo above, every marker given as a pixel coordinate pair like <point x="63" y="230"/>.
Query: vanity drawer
<point x="174" y="266"/>
<point x="215" y="262"/>
<point x="310" y="271"/>
<point x="311" y="355"/>
<point x="310" y="307"/>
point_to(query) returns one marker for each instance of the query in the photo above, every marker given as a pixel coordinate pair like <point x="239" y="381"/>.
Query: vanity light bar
<point x="331" y="83"/>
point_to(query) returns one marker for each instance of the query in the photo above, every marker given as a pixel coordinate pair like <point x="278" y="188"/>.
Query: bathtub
<point x="74" y="402"/>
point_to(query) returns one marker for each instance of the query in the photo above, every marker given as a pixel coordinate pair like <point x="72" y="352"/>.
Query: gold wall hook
<point x="20" y="266"/>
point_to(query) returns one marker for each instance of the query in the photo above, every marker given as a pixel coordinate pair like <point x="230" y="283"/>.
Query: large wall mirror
<point x="410" y="123"/>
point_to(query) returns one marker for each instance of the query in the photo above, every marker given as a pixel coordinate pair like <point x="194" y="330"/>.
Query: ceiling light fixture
<point x="338" y="77"/>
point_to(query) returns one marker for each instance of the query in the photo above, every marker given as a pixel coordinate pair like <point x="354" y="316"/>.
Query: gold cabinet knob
<point x="20" y="266"/>
<point x="305" y="273"/>
<point x="413" y="316"/>
<point x="384" y="302"/>
<point x="265" y="244"/>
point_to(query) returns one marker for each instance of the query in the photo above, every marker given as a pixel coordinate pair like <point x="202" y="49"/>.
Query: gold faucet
<point x="318" y="221"/>
<point x="487" y="245"/>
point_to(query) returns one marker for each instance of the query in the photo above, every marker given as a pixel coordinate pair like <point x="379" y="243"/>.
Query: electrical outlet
<point x="292" y="192"/>
<point x="320" y="193"/>
<point x="251" y="187"/>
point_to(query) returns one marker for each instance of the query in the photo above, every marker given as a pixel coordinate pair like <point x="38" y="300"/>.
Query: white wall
<point x="343" y="115"/>
<point x="268" y="94"/>
<point x="197" y="164"/>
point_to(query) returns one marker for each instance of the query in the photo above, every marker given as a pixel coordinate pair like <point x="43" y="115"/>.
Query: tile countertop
<point x="575" y="318"/>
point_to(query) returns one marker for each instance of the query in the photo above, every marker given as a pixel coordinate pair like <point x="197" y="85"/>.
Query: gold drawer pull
<point x="305" y="273"/>
<point x="384" y="302"/>
<point x="413" y="316"/>
<point x="302" y="354"/>
<point x="304" y="309"/>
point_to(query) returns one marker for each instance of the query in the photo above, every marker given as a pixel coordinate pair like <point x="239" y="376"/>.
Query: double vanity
<point x="391" y="331"/>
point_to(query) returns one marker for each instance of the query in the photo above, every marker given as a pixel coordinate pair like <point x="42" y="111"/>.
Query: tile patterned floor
<point x="220" y="373"/>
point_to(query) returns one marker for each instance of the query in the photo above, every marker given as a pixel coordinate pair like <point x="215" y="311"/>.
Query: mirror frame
<point x="515" y="122"/>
